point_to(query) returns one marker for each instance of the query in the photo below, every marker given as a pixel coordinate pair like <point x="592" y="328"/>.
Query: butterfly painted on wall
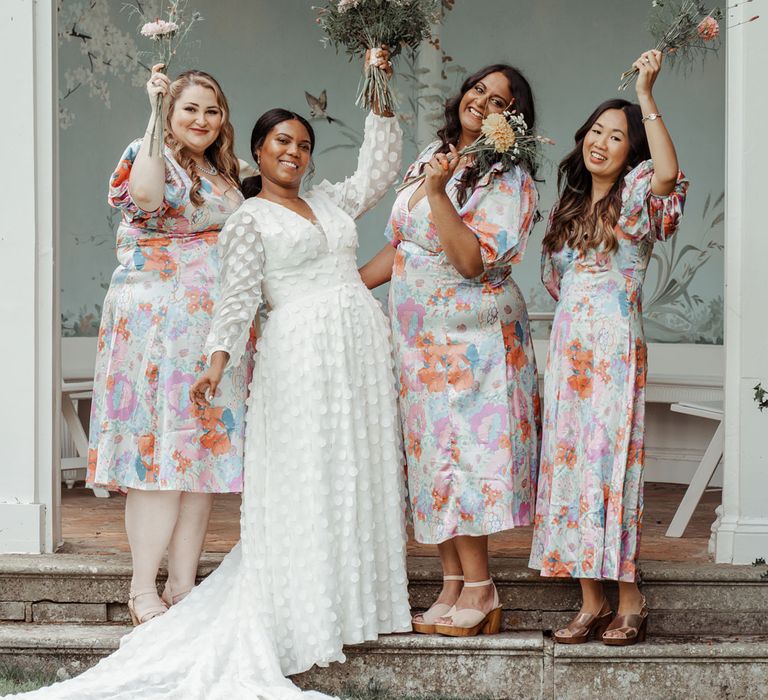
<point x="318" y="106"/>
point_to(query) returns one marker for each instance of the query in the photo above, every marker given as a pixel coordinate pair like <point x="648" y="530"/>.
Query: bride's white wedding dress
<point x="321" y="561"/>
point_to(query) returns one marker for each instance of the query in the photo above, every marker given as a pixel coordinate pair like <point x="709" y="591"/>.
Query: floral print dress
<point x="145" y="433"/>
<point x="590" y="495"/>
<point x="464" y="357"/>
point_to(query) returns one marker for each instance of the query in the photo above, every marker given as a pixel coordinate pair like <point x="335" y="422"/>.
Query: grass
<point x="14" y="680"/>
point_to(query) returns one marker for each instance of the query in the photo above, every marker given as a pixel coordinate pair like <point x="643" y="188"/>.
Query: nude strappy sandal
<point x="470" y="622"/>
<point x="170" y="598"/>
<point x="149" y="613"/>
<point x="426" y="625"/>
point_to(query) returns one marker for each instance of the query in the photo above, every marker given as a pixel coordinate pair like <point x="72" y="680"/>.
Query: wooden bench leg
<point x="704" y="472"/>
<point x="78" y="434"/>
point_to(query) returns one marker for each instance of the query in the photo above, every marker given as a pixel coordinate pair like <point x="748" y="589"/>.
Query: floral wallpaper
<point x="102" y="106"/>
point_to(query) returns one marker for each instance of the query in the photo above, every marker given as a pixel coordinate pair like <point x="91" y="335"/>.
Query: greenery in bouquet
<point x="684" y="30"/>
<point x="167" y="33"/>
<point x="360" y="25"/>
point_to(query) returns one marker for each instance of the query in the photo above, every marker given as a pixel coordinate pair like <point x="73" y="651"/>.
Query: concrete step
<point x="685" y="599"/>
<point x="509" y="666"/>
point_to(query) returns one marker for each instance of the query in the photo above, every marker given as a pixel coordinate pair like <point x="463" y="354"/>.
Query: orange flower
<point x="438" y="501"/>
<point x="491" y="494"/>
<point x="554" y="566"/>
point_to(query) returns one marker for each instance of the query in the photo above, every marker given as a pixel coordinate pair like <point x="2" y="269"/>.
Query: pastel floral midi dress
<point x="590" y="495"/>
<point x="145" y="433"/>
<point x="468" y="389"/>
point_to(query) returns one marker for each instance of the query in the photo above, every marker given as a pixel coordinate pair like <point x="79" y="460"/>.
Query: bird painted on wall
<point x="318" y="106"/>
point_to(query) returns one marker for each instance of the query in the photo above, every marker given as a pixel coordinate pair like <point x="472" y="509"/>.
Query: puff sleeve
<point x="502" y="214"/>
<point x="119" y="195"/>
<point x="646" y="214"/>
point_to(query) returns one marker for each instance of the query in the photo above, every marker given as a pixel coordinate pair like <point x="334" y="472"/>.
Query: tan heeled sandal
<point x="585" y="626"/>
<point x="426" y="625"/>
<point x="632" y="628"/>
<point x="170" y="598"/>
<point x="470" y="622"/>
<point x="150" y="613"/>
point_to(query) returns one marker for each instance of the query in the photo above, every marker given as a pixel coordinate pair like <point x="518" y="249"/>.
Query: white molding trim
<point x="673" y="465"/>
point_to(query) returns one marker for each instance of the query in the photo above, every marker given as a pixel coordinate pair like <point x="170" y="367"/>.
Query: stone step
<point x="508" y="666"/>
<point x="685" y="599"/>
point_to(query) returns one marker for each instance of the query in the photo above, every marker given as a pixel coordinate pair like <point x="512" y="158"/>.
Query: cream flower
<point x="498" y="133"/>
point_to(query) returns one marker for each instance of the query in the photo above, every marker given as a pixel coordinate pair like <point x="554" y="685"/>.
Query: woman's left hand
<point x="439" y="170"/>
<point x="379" y="57"/>
<point x="648" y="66"/>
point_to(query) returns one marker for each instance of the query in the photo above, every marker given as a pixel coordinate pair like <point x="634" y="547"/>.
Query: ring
<point x="645" y="60"/>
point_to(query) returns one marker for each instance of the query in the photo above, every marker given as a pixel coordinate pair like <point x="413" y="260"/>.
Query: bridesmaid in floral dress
<point x="596" y="251"/>
<point x="469" y="397"/>
<point x="146" y="437"/>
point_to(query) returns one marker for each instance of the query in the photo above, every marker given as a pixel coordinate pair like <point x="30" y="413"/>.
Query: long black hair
<point x="575" y="221"/>
<point x="264" y="124"/>
<point x="450" y="133"/>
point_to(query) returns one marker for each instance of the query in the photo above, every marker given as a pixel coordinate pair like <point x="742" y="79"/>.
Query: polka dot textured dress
<point x="321" y="562"/>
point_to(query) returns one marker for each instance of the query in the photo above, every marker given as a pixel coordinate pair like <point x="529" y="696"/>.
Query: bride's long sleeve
<point x="241" y="273"/>
<point x="378" y="165"/>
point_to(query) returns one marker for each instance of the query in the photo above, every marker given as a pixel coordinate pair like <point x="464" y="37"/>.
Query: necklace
<point x="210" y="170"/>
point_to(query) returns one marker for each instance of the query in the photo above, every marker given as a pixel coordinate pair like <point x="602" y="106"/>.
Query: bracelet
<point x="652" y="117"/>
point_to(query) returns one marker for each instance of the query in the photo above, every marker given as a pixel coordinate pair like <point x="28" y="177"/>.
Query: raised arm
<point x="147" y="180"/>
<point x="662" y="149"/>
<point x="378" y="165"/>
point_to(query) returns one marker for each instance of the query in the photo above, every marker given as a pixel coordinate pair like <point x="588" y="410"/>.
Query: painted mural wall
<point x="269" y="53"/>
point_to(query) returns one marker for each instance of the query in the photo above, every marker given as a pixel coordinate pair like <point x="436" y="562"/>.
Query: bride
<point x="321" y="561"/>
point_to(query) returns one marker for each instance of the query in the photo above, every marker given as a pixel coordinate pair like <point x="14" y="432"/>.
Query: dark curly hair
<point x="450" y="133"/>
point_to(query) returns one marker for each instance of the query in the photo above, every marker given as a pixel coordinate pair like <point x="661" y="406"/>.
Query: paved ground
<point x="95" y="525"/>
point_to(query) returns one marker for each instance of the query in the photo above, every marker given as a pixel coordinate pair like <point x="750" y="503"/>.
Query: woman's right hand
<point x="158" y="84"/>
<point x="204" y="389"/>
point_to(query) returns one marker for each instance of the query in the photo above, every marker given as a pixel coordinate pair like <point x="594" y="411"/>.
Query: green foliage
<point x="358" y="25"/>
<point x="761" y="397"/>
<point x="760" y="561"/>
<point x="15" y="680"/>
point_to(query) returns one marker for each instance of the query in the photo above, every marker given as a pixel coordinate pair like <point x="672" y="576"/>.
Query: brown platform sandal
<point x="426" y="625"/>
<point x="631" y="627"/>
<point x="586" y="626"/>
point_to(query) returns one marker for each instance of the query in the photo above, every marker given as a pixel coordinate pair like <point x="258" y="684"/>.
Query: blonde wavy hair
<point x="221" y="153"/>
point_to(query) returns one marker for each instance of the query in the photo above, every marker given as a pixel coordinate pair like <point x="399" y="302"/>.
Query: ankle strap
<point x="453" y="577"/>
<point x="142" y="591"/>
<point x="477" y="584"/>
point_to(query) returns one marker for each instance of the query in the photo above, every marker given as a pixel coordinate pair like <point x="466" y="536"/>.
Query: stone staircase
<point x="708" y="634"/>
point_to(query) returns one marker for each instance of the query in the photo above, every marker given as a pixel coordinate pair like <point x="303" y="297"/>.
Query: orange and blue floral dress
<point x="589" y="507"/>
<point x="145" y="433"/>
<point x="468" y="388"/>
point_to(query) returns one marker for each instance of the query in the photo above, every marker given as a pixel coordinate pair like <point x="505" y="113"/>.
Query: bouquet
<point x="168" y="35"/>
<point x="363" y="25"/>
<point x="505" y="138"/>
<point x="683" y="29"/>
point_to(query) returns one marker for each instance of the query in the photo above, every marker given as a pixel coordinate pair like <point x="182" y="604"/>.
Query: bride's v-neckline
<point x="316" y="222"/>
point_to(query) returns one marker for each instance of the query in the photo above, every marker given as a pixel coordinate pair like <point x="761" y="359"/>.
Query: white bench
<point x="78" y="357"/>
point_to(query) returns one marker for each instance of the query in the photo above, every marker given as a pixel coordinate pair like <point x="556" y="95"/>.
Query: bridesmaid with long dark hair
<point x="469" y="399"/>
<point x="620" y="191"/>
